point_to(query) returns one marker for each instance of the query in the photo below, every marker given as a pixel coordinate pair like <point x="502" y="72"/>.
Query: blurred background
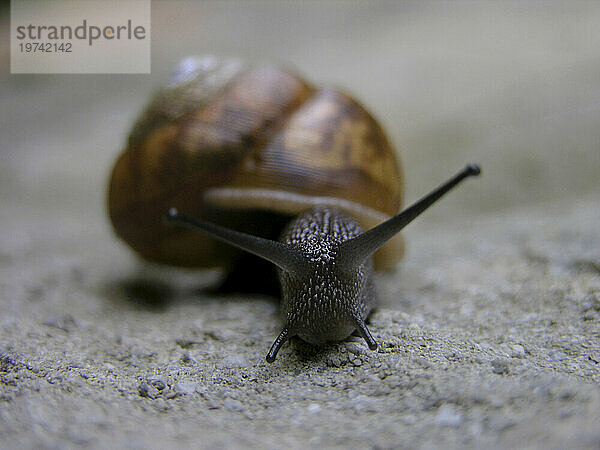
<point x="514" y="86"/>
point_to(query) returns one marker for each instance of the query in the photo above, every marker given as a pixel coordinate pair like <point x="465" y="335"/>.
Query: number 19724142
<point x="45" y="47"/>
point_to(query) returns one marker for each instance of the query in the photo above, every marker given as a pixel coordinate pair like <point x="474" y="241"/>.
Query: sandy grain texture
<point x="489" y="328"/>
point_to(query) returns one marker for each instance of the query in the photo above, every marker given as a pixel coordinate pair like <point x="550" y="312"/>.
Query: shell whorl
<point x="224" y="137"/>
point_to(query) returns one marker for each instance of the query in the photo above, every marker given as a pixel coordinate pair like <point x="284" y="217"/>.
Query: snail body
<point x="222" y="144"/>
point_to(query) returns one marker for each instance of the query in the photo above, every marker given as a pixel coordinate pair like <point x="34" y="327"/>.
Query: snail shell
<point x="224" y="140"/>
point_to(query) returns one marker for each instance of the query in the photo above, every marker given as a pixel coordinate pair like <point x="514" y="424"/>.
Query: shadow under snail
<point x="242" y="150"/>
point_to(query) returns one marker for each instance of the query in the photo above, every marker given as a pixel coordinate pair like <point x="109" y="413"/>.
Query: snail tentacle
<point x="362" y="329"/>
<point x="281" y="339"/>
<point x="282" y="255"/>
<point x="354" y="251"/>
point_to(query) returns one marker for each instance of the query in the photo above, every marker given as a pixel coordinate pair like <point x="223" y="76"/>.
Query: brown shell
<point x="225" y="140"/>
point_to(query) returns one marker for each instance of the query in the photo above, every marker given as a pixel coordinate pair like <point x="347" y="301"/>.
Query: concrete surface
<point x="489" y="328"/>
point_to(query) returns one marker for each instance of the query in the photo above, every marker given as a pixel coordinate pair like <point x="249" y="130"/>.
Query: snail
<point x="261" y="161"/>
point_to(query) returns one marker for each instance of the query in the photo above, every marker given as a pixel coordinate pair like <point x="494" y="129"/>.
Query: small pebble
<point x="590" y="315"/>
<point x="381" y="390"/>
<point x="221" y="335"/>
<point x="591" y="301"/>
<point x="186" y="343"/>
<point x="565" y="413"/>
<point x="158" y="383"/>
<point x="517" y="351"/>
<point x="557" y="355"/>
<point x="185" y="388"/>
<point x="500" y="366"/>
<point x="144" y="390"/>
<point x="212" y="404"/>
<point x="362" y="403"/>
<point x="356" y="348"/>
<point x="313" y="408"/>
<point x="357" y="362"/>
<point x="448" y="416"/>
<point x="65" y="322"/>
<point x="188" y="359"/>
<point x="353" y="394"/>
<point x="233" y="405"/>
<point x="565" y="395"/>
<point x="333" y="361"/>
<point x="500" y="423"/>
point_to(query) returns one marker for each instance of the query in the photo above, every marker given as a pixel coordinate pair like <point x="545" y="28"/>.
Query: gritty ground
<point x="489" y="329"/>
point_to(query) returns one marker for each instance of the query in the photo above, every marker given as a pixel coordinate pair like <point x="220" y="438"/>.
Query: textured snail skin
<point x="326" y="304"/>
